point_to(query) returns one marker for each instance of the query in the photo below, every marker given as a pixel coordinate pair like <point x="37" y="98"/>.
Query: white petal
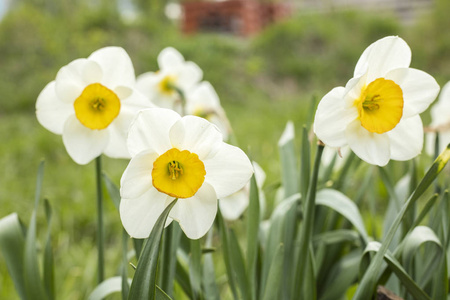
<point x="118" y="129"/>
<point x="83" y="144"/>
<point x="419" y="89"/>
<point x="139" y="215"/>
<point x="234" y="205"/>
<point x="118" y="132"/>
<point x="196" y="214"/>
<point x="196" y="135"/>
<point x="51" y="112"/>
<point x="406" y="139"/>
<point x="440" y="112"/>
<point x="332" y="118"/>
<point x="228" y="171"/>
<point x="146" y="83"/>
<point x="444" y="140"/>
<point x="116" y="66"/>
<point x="169" y="58"/>
<point x="202" y="97"/>
<point x="92" y="72"/>
<point x="189" y="75"/>
<point x="69" y="82"/>
<point x="137" y="177"/>
<point x="382" y="56"/>
<point x="370" y="147"/>
<point x="150" y="130"/>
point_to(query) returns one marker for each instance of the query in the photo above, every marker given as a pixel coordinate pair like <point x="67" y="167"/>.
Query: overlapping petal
<point x="169" y="58"/>
<point x="116" y="66"/>
<point x="419" y="89"/>
<point x="150" y="131"/>
<point x="51" y="112"/>
<point x="332" y="118"/>
<point x="137" y="178"/>
<point x="382" y="56"/>
<point x="371" y="147"/>
<point x="196" y="135"/>
<point x="406" y="140"/>
<point x="228" y="170"/>
<point x="139" y="215"/>
<point x="82" y="143"/>
<point x="196" y="214"/>
<point x="69" y="82"/>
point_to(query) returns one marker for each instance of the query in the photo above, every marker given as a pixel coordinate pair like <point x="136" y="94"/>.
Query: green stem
<point x="307" y="226"/>
<point x="100" y="229"/>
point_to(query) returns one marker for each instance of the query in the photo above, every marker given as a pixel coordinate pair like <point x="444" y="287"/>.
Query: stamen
<point x="175" y="169"/>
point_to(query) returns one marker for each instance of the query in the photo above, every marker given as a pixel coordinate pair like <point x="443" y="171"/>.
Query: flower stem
<point x="100" y="229"/>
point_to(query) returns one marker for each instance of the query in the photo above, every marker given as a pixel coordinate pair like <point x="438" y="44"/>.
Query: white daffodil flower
<point x="175" y="157"/>
<point x="440" y="121"/>
<point x="233" y="206"/>
<point x="377" y="112"/>
<point x="91" y="103"/>
<point x="203" y="101"/>
<point x="175" y="75"/>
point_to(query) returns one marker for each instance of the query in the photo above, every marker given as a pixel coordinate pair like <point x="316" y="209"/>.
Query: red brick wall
<point x="242" y="17"/>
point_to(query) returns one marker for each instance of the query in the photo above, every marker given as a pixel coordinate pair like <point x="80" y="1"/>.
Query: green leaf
<point x="108" y="287"/>
<point x="276" y="236"/>
<point x="341" y="276"/>
<point x="195" y="268"/>
<point x="144" y="282"/>
<point x="12" y="244"/>
<point x="253" y="220"/>
<point x="367" y="285"/>
<point x="419" y="236"/>
<point x="209" y="275"/>
<point x="237" y="261"/>
<point x="337" y="236"/>
<point x="410" y="285"/>
<point x="113" y="191"/>
<point x="49" y="274"/>
<point x="171" y="241"/>
<point x="343" y="205"/>
<point x="227" y="255"/>
<point x="161" y="295"/>
<point x="33" y="283"/>
<point x="288" y="160"/>
<point x="124" y="271"/>
<point x="272" y="287"/>
<point x="182" y="277"/>
<point x="304" y="237"/>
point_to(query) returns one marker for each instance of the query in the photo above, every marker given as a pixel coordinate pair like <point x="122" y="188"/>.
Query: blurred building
<point x="246" y="17"/>
<point x="406" y="11"/>
<point x="240" y="17"/>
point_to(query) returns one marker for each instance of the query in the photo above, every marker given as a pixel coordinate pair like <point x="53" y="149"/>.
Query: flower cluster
<point x="99" y="107"/>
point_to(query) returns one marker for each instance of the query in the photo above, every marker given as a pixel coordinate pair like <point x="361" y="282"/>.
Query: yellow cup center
<point x="167" y="84"/>
<point x="380" y="106"/>
<point x="97" y="106"/>
<point x="178" y="173"/>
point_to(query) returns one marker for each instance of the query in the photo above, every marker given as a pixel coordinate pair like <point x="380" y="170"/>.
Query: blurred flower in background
<point x="233" y="206"/>
<point x="440" y="121"/>
<point x="377" y="113"/>
<point x="91" y="103"/>
<point x="178" y="157"/>
<point x="203" y="101"/>
<point x="175" y="76"/>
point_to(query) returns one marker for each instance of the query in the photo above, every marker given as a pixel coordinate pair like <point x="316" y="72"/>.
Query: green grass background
<point x="263" y="81"/>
